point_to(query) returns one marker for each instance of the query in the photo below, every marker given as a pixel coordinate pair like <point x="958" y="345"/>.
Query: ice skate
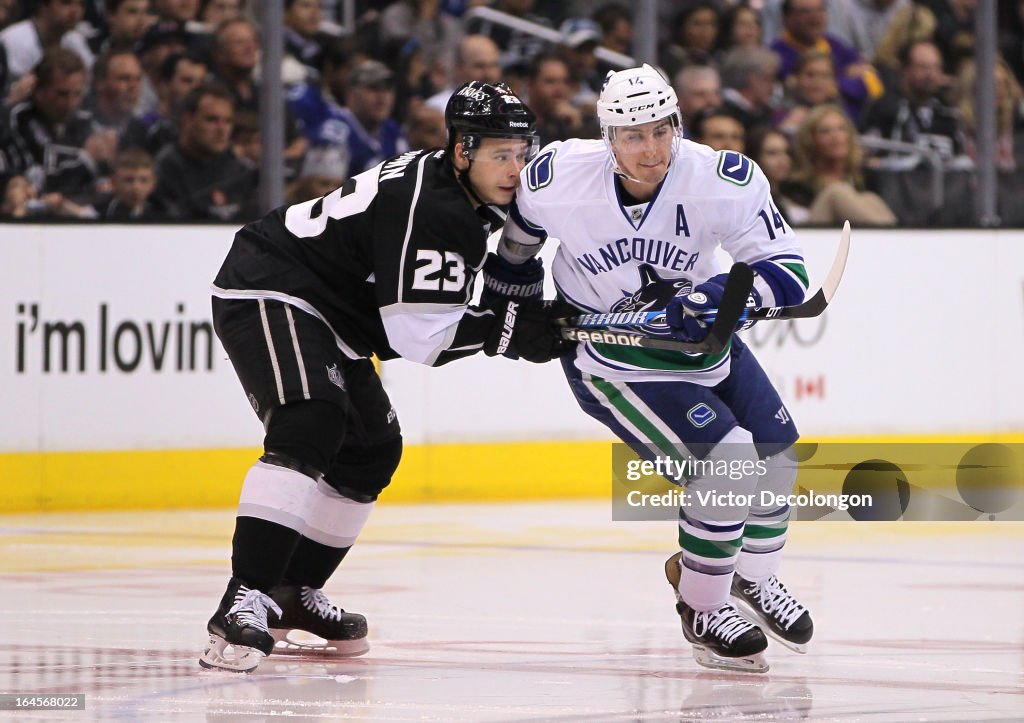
<point x="311" y="623"/>
<point x="721" y="639"/>
<point x="238" y="634"/>
<point x="770" y="604"/>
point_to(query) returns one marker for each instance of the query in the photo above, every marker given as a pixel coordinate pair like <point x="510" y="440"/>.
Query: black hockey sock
<point x="313" y="563"/>
<point x="260" y="551"/>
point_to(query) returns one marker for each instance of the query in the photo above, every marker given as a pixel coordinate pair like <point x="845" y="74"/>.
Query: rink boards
<point x="119" y="396"/>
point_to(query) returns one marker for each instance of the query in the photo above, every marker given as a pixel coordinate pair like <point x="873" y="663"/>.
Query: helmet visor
<point x="503" y="149"/>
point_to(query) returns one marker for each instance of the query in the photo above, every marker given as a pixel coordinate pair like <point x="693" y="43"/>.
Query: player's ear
<point x="460" y="161"/>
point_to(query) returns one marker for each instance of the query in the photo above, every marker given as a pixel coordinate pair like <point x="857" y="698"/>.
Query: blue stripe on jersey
<point x="784" y="287"/>
<point x="605" y="362"/>
<point x="709" y="526"/>
<point x="574" y="302"/>
<point x="530" y="228"/>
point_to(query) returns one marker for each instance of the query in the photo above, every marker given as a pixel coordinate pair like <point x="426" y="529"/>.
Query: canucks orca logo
<point x="654" y="294"/>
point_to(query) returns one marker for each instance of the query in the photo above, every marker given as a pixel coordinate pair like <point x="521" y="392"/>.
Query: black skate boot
<point x="721" y="638"/>
<point x="238" y="635"/>
<point x="770" y="604"/>
<point x="307" y="610"/>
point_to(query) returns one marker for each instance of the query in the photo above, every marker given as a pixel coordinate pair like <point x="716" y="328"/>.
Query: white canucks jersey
<point x="616" y="257"/>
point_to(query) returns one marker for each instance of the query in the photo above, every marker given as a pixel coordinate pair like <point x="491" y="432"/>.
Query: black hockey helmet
<point x="489" y="110"/>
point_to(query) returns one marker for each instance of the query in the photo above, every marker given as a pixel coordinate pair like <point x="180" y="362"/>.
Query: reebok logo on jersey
<point x="604" y="337"/>
<point x="509" y="327"/>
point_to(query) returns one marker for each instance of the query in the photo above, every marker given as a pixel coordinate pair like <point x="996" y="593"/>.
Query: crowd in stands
<point x="149" y="109"/>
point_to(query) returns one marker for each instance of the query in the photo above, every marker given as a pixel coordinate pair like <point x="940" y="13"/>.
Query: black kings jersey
<point x="387" y="261"/>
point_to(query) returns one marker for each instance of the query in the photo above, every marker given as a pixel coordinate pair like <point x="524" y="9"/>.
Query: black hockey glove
<point x="527" y="329"/>
<point x="505" y="280"/>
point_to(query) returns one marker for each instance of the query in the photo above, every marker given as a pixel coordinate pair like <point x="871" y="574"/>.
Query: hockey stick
<point x="812" y="307"/>
<point x="734" y="301"/>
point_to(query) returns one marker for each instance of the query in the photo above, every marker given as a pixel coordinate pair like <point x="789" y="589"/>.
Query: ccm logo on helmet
<point x="634" y="109"/>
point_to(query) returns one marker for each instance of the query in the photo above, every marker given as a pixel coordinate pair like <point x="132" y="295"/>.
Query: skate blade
<point x="299" y="642"/>
<point x="218" y="654"/>
<point x="709" y="659"/>
<point x="750" y="613"/>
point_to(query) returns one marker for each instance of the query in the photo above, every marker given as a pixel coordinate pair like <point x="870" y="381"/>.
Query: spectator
<point x="862" y="24"/>
<point x="697" y="87"/>
<point x="51" y="140"/>
<point x="179" y="73"/>
<point x="134" y="181"/>
<point x="804" y="22"/>
<point x="246" y="141"/>
<point x="720" y="129"/>
<point x="321" y="173"/>
<point x="1009" y="151"/>
<point x="616" y="24"/>
<point x="214" y="12"/>
<point x="117" y="84"/>
<point x="476" y="58"/>
<point x="425" y="128"/>
<point x="11" y="11"/>
<point x="126" y="23"/>
<point x="363" y="129"/>
<point x="547" y="93"/>
<point x="199" y="175"/>
<point x="740" y="28"/>
<point x="812" y="83"/>
<point x="954" y="30"/>
<point x="915" y="112"/>
<point x="302" y="49"/>
<point x="769" y="148"/>
<point x="749" y="76"/>
<point x="52" y="23"/>
<point x="829" y="175"/>
<point x="517" y="47"/>
<point x="236" y="53"/>
<point x="909" y="25"/>
<point x="580" y="38"/>
<point x="423" y="22"/>
<point x="21" y="200"/>
<point x="160" y="41"/>
<point x="1011" y="36"/>
<point x="694" y="37"/>
<point x="177" y="11"/>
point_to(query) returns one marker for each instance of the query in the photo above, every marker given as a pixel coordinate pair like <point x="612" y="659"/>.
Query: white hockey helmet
<point x="635" y="96"/>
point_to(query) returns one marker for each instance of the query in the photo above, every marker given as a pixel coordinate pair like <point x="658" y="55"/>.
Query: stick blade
<point x="835" y="274"/>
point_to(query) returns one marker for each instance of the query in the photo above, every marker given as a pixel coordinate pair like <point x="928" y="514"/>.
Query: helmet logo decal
<point x="474" y="93"/>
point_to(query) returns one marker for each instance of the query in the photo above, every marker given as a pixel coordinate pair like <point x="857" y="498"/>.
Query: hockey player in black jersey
<point x="384" y="265"/>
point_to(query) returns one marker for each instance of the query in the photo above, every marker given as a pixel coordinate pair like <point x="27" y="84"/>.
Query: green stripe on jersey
<point x="635" y="417"/>
<point x="713" y="549"/>
<point x="799" y="271"/>
<point x="765" y="532"/>
<point x="661" y="359"/>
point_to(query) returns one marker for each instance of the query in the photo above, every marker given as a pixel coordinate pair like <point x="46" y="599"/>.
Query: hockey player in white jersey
<point x="639" y="215"/>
